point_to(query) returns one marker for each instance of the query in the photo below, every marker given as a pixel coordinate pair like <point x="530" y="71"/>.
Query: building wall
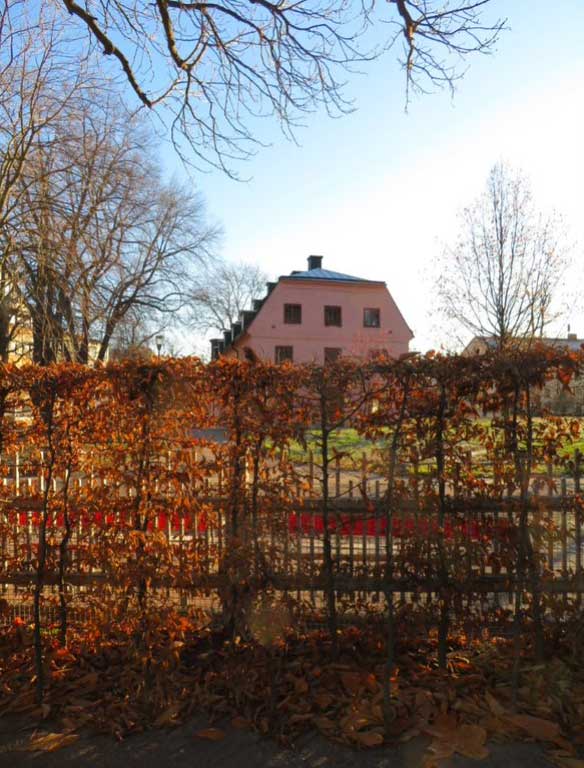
<point x="20" y="349"/>
<point x="310" y="338"/>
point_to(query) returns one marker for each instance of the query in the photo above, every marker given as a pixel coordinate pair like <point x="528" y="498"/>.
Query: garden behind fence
<point x="428" y="493"/>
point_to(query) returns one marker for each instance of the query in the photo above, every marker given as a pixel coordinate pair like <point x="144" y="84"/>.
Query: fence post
<point x="17" y="473"/>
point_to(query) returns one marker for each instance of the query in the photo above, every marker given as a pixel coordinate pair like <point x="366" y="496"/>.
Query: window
<point x="331" y="354"/>
<point x="332" y="316"/>
<point x="371" y="318"/>
<point x="293" y="314"/>
<point x="283" y="353"/>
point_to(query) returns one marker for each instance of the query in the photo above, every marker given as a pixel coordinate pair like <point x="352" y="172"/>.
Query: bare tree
<point x="214" y="66"/>
<point x="221" y="292"/>
<point x="37" y="90"/>
<point x="100" y="238"/>
<point x="499" y="280"/>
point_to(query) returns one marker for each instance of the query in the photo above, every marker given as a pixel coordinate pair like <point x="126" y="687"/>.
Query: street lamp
<point x="159" y="343"/>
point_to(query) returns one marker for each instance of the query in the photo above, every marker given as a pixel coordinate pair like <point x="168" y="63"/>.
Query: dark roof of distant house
<point x="572" y="343"/>
<point x="327" y="274"/>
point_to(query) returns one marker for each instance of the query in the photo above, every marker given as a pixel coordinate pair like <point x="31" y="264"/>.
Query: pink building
<point x="316" y="316"/>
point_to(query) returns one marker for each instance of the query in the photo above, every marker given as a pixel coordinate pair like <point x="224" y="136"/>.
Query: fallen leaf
<point x="352" y="682"/>
<point x="211" y="734"/>
<point x="324" y="700"/>
<point x="411" y="733"/>
<point x="443" y="728"/>
<point x="50" y="742"/>
<point x="470" y="742"/>
<point x="367" y="738"/>
<point x="324" y="724"/>
<point x="497" y="709"/>
<point x="168" y="716"/>
<point x="441" y="750"/>
<point x="240" y="722"/>
<point x="538" y="728"/>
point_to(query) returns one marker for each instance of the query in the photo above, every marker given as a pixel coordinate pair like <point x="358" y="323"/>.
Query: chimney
<point x="314" y="262"/>
<point x="572" y="336"/>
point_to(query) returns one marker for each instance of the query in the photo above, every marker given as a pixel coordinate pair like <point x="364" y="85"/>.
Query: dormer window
<point x="293" y="314"/>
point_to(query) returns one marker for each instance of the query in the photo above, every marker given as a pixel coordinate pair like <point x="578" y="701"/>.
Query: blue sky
<point x="377" y="192"/>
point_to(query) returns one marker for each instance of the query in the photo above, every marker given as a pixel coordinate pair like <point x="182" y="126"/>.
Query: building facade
<point x="318" y="315"/>
<point x="553" y="396"/>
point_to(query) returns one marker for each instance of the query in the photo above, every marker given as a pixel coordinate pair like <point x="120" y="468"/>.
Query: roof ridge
<point x="326" y="274"/>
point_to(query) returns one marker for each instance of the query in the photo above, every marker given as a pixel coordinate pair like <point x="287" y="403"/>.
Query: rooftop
<point x="327" y="274"/>
<point x="571" y="341"/>
<point x="316" y="272"/>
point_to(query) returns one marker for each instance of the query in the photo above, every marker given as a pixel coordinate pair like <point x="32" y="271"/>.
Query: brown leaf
<point x="443" y="728"/>
<point x="323" y="699"/>
<point x="240" y="722"/>
<point x="367" y="738"/>
<point x="538" y="728"/>
<point x="352" y="682"/>
<point x="168" y="716"/>
<point x="50" y="742"/>
<point x="441" y="750"/>
<point x="497" y="709"/>
<point x="470" y="742"/>
<point x="324" y="724"/>
<point x="211" y="734"/>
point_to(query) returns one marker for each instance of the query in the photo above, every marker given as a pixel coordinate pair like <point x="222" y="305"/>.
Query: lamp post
<point x="159" y="343"/>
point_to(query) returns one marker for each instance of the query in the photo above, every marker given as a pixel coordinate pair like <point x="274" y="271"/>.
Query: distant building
<point x="20" y="344"/>
<point x="318" y="315"/>
<point x="553" y="397"/>
<point x="481" y="344"/>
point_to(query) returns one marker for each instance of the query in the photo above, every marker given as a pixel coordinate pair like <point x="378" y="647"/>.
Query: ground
<point x="181" y="748"/>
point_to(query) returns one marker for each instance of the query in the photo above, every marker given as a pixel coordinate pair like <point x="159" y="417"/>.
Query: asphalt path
<point x="181" y="748"/>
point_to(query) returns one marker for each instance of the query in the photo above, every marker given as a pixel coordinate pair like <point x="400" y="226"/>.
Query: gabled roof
<point x="327" y="274"/>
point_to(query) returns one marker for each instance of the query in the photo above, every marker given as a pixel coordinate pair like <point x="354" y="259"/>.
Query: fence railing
<point x="479" y="536"/>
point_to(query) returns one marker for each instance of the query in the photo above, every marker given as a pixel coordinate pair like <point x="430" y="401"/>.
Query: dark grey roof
<point x="574" y="345"/>
<point x="326" y="274"/>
